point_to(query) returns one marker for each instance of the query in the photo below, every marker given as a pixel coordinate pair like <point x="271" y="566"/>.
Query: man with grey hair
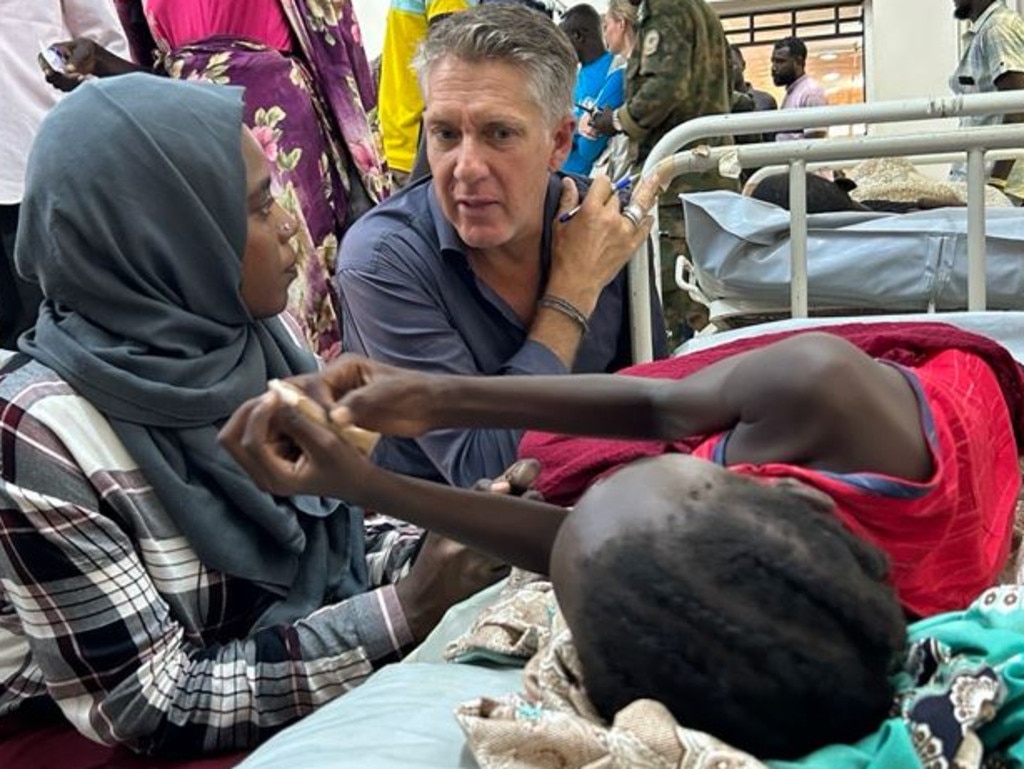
<point x="486" y="267"/>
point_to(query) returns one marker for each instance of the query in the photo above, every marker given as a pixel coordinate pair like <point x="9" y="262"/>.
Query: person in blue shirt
<point x="597" y="85"/>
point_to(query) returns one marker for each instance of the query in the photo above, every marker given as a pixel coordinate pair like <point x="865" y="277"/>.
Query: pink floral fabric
<point x="311" y="113"/>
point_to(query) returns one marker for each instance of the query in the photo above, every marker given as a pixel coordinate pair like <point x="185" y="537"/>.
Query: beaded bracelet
<point x="567" y="308"/>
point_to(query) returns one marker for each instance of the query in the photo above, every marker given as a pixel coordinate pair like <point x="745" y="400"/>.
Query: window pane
<point x="818" y="30"/>
<point x="769" y="35"/>
<point x="773" y="19"/>
<point x="815" y="14"/>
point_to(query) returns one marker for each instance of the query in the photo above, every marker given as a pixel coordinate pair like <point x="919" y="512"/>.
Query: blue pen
<point x="619" y="186"/>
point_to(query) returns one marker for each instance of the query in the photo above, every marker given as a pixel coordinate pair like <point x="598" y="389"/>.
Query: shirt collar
<point x="796" y="82"/>
<point x="984" y="18"/>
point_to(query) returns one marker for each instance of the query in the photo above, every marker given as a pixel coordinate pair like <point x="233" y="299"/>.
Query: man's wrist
<point x="574" y="291"/>
<point x="999" y="184"/>
<point x="566" y="308"/>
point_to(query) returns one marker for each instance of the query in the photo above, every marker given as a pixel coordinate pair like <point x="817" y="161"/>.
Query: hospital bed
<point x="403" y="716"/>
<point x="975" y="143"/>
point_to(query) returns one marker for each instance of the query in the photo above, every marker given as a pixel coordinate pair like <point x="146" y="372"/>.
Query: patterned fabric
<point x="106" y="610"/>
<point x="401" y="102"/>
<point x="898" y="180"/>
<point x="512" y="629"/>
<point x="992" y="46"/>
<point x="310" y="113"/>
<point x="958" y="705"/>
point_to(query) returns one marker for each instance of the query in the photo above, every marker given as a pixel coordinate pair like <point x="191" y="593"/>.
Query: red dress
<point x="948" y="537"/>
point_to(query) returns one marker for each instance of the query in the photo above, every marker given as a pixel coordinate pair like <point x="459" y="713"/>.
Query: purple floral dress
<point x="310" y="112"/>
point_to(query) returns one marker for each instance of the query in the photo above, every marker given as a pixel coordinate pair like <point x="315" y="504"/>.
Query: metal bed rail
<point x="975" y="142"/>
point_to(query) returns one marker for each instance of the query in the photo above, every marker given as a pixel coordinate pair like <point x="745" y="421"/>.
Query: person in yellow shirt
<point x="399" y="101"/>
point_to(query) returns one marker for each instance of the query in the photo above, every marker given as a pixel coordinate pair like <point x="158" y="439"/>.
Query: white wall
<point x="371" y="15"/>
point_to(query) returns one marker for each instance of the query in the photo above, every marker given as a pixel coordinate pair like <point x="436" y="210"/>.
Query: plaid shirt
<point x="105" y="608"/>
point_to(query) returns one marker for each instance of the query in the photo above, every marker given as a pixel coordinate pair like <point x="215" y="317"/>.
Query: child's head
<point x="746" y="608"/>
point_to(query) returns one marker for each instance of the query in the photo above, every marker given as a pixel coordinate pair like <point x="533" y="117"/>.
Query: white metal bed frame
<point x="976" y="142"/>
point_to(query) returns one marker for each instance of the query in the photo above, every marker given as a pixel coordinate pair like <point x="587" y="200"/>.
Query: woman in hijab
<point x="147" y="587"/>
<point x="308" y="98"/>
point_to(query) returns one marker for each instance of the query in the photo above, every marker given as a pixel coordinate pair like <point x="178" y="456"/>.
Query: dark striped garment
<point x="105" y="608"/>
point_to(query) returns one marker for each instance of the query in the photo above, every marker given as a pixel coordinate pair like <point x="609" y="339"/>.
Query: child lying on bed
<point x="751" y="601"/>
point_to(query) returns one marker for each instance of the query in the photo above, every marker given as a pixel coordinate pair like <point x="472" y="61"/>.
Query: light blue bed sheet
<point x="402" y="717"/>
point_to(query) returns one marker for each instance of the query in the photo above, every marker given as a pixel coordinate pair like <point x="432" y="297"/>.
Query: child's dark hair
<point x="767" y="624"/>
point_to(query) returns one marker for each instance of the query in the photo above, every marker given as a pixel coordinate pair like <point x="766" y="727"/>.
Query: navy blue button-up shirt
<point x="409" y="298"/>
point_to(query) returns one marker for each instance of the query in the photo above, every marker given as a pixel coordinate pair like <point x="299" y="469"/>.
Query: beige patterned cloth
<point x="513" y="628"/>
<point x="898" y="181"/>
<point x="552" y="725"/>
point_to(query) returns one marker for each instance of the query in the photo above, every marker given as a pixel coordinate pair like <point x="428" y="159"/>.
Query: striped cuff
<point x="393" y="618"/>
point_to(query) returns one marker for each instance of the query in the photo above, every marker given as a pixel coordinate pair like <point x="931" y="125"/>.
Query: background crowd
<point x="186" y="566"/>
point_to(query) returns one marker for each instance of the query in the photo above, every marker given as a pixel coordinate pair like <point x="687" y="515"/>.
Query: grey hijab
<point x="134" y="223"/>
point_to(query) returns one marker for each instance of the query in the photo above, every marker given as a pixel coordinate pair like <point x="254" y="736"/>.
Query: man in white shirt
<point x="27" y="28"/>
<point x="992" y="60"/>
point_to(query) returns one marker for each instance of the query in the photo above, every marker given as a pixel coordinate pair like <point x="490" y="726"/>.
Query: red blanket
<point x="569" y="464"/>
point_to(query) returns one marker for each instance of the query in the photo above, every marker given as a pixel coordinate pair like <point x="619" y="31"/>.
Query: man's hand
<point x="590" y="249"/>
<point x="84" y="58"/>
<point x="602" y="122"/>
<point x="584" y="128"/>
<point x="444" y="573"/>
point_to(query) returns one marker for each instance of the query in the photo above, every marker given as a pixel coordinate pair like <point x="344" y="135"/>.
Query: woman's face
<point x="614" y="34"/>
<point x="269" y="263"/>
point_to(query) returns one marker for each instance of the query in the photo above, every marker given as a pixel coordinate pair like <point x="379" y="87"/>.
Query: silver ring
<point x="634" y="213"/>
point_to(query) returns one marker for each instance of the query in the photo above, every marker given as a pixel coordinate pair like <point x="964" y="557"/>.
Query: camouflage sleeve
<point x="664" y="72"/>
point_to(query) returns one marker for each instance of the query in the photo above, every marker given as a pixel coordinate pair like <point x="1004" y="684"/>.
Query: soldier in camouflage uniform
<point x="679" y="70"/>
